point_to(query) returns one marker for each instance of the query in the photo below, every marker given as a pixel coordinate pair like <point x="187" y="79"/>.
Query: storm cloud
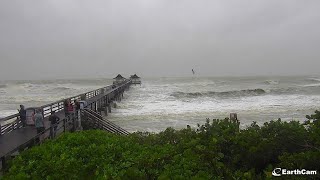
<point x="42" y="39"/>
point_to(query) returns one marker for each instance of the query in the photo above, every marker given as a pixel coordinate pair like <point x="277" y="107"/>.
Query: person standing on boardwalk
<point x="65" y="104"/>
<point x="77" y="105"/>
<point x="70" y="110"/>
<point x="54" y="120"/>
<point x="39" y="122"/>
<point x="23" y="115"/>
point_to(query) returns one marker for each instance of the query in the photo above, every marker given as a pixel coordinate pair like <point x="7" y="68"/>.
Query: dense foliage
<point x="216" y="150"/>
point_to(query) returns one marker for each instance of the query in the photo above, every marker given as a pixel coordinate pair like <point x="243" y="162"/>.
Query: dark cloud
<point x="71" y="38"/>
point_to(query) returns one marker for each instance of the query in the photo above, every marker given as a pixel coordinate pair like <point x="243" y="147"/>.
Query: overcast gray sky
<point x="42" y="39"/>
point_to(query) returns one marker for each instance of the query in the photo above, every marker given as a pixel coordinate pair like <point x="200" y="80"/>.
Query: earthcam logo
<point x="277" y="172"/>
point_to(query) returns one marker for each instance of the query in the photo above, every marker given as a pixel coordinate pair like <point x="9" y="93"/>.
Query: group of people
<point x="39" y="120"/>
<point x="38" y="117"/>
<point x="70" y="109"/>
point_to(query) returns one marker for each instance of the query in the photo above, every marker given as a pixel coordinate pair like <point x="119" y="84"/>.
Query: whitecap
<point x="314" y="79"/>
<point x="271" y="82"/>
<point x="312" y="85"/>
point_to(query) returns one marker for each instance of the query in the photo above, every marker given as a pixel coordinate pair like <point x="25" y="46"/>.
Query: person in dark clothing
<point x="23" y="115"/>
<point x="66" y="104"/>
<point x="54" y="120"/>
<point x="77" y="104"/>
<point x="70" y="109"/>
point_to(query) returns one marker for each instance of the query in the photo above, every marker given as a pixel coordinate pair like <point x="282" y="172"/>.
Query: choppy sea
<point x="177" y="102"/>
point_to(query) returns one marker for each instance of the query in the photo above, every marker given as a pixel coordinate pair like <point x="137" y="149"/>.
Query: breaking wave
<point x="315" y="82"/>
<point x="312" y="85"/>
<point x="271" y="82"/>
<point x="314" y="79"/>
<point x="288" y="90"/>
<point x="247" y="92"/>
<point x="241" y="93"/>
<point x="59" y="89"/>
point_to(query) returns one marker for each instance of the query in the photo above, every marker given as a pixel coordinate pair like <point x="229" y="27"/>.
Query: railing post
<point x="3" y="162"/>
<point x="106" y="111"/>
<point x="74" y="123"/>
<point x="102" y="101"/>
<point x="34" y="141"/>
<point x="109" y="107"/>
<point x="107" y="98"/>
<point x="79" y="120"/>
<point x="42" y="111"/>
<point x="51" y="132"/>
<point x="17" y="122"/>
<point x="64" y="124"/>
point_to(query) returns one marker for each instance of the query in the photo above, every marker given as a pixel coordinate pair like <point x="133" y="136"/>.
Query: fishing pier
<point x="15" y="138"/>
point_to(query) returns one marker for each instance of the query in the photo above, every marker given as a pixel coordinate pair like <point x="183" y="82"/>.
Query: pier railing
<point x="96" y="121"/>
<point x="13" y="122"/>
<point x="64" y="125"/>
<point x="97" y="101"/>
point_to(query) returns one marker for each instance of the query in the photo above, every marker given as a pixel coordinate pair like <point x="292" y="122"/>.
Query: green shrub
<point x="216" y="150"/>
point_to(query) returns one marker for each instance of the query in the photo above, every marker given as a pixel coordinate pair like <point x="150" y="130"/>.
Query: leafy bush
<point x="218" y="149"/>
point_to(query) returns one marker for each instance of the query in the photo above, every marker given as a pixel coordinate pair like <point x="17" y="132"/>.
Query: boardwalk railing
<point x="13" y="122"/>
<point x="96" y="121"/>
<point x="96" y="101"/>
<point x="64" y="125"/>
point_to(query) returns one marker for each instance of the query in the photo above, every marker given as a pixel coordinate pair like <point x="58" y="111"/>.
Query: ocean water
<point x="177" y="102"/>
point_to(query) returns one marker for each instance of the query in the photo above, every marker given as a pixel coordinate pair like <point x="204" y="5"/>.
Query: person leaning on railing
<point x="23" y="115"/>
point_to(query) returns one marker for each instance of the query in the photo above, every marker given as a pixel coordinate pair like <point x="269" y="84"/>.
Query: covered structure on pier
<point x="118" y="79"/>
<point x="135" y="79"/>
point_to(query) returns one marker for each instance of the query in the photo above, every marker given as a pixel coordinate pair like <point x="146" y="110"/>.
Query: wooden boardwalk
<point x="15" y="138"/>
<point x="10" y="141"/>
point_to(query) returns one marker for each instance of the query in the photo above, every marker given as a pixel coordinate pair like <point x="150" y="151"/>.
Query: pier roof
<point x="134" y="76"/>
<point x="119" y="77"/>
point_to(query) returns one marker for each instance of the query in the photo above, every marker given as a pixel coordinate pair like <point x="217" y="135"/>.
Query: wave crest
<point x="247" y="92"/>
<point x="271" y="82"/>
<point x="59" y="89"/>
<point x="314" y="79"/>
<point x="312" y="85"/>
